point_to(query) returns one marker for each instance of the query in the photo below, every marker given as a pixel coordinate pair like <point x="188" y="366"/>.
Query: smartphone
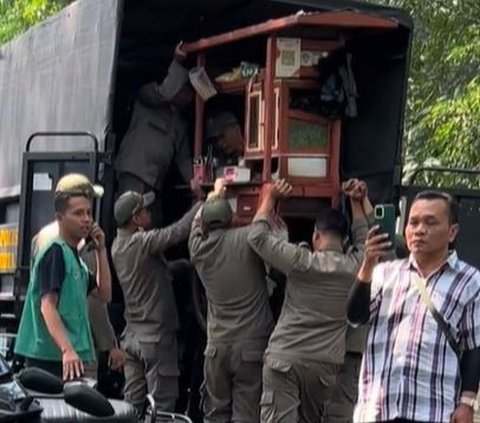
<point x="384" y="215"/>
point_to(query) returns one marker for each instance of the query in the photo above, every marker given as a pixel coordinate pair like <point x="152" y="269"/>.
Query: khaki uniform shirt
<point x="235" y="284"/>
<point x="145" y="278"/>
<point x="156" y="138"/>
<point x="313" y="322"/>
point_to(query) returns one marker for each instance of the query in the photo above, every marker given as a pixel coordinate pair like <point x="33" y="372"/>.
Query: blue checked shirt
<point x="409" y="370"/>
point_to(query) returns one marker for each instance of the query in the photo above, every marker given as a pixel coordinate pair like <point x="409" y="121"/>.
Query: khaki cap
<point x="130" y="203"/>
<point x="216" y="212"/>
<point x="78" y="184"/>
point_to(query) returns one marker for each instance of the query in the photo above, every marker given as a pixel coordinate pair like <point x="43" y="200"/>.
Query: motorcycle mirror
<point x="88" y="400"/>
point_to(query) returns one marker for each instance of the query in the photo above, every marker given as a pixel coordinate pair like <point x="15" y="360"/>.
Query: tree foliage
<point x="16" y="16"/>
<point x="443" y="111"/>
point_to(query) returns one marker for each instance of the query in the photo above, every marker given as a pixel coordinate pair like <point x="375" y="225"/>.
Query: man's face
<point x="231" y="141"/>
<point x="143" y="219"/>
<point x="76" y="221"/>
<point x="429" y="230"/>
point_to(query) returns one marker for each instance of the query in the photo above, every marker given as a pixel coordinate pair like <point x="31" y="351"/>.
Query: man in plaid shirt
<point x="410" y="370"/>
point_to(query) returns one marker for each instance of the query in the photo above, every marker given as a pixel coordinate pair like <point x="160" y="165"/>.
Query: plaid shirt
<point x="409" y="370"/>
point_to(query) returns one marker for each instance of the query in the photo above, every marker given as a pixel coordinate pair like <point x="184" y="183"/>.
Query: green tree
<point x="16" y="16"/>
<point x="443" y="111"/>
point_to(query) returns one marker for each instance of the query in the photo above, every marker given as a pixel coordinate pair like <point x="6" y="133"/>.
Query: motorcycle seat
<point x="57" y="410"/>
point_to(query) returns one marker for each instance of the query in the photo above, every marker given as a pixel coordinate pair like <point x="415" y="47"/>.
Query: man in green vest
<point x="54" y="332"/>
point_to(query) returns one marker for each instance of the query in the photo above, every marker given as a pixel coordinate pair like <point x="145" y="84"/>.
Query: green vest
<point x="33" y="338"/>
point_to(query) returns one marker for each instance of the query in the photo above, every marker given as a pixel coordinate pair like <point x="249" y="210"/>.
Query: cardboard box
<point x="234" y="173"/>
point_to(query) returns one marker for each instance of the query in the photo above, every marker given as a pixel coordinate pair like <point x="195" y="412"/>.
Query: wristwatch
<point x="470" y="402"/>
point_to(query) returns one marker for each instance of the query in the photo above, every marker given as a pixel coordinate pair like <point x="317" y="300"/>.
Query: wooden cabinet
<point x="305" y="147"/>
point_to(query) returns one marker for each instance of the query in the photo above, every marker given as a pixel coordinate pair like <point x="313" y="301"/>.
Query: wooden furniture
<point x="280" y="140"/>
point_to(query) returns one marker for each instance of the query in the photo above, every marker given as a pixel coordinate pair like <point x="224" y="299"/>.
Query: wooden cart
<point x="281" y="141"/>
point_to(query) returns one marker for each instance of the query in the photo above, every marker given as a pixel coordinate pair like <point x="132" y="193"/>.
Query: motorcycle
<point x="37" y="396"/>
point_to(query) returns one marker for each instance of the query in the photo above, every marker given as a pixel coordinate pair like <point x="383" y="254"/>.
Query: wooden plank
<point x="240" y="34"/>
<point x="346" y="19"/>
<point x="269" y="98"/>
<point x="339" y="19"/>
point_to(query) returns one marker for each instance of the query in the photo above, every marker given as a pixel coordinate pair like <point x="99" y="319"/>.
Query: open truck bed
<point x="80" y="70"/>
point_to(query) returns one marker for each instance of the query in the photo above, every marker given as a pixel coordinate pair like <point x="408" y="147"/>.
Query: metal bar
<point x="63" y="134"/>
<point x="269" y="107"/>
<point x="412" y="178"/>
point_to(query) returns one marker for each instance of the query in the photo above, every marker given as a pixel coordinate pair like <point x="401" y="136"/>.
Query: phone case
<point x="385" y="218"/>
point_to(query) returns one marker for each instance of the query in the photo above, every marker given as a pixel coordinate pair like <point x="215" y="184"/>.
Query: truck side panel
<point x="69" y="56"/>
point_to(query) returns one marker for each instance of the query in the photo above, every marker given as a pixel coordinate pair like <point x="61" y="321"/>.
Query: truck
<point x="67" y="87"/>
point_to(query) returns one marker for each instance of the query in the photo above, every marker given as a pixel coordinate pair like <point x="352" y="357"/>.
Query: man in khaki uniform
<point x="146" y="278"/>
<point x="157" y="137"/>
<point x="307" y="346"/>
<point x="239" y="319"/>
<point x="345" y="394"/>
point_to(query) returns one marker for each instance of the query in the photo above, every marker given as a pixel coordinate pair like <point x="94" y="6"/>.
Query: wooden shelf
<point x="309" y="81"/>
<point x="232" y="87"/>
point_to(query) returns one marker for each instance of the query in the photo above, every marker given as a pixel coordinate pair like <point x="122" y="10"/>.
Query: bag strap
<point x="444" y="326"/>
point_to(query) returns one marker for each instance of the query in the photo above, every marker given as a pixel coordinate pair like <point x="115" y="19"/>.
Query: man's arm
<point x="275" y="251"/>
<point x="48" y="308"/>
<point x="104" y="277"/>
<point x="196" y="235"/>
<point x="358" y="304"/>
<point x="470" y="336"/>
<point x="359" y="233"/>
<point x="470" y="376"/>
<point x="361" y="299"/>
<point x="72" y="364"/>
<point x="150" y="96"/>
<point x="470" y="372"/>
<point x="51" y="275"/>
<point x="196" y="231"/>
<point x="158" y="240"/>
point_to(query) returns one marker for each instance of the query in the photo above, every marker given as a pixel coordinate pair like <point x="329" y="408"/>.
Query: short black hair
<point x="333" y="222"/>
<point x="60" y="203"/>
<point x="451" y="202"/>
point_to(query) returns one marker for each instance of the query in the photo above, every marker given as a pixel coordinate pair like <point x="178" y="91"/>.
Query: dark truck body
<point x="80" y="70"/>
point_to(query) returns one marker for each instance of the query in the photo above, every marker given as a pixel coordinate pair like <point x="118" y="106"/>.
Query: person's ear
<point x="315" y="237"/>
<point x="136" y="219"/>
<point x="453" y="232"/>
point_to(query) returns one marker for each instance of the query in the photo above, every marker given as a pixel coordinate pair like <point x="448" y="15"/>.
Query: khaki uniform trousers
<point x="295" y="392"/>
<point x="151" y="367"/>
<point x="232" y="382"/>
<point x="345" y="393"/>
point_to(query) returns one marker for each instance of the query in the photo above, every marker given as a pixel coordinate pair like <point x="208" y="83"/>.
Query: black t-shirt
<point x="51" y="271"/>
